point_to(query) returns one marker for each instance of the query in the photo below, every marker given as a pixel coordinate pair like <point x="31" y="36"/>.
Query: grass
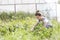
<point x="18" y="27"/>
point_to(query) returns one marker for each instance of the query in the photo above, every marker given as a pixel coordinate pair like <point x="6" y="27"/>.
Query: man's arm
<point x="35" y="25"/>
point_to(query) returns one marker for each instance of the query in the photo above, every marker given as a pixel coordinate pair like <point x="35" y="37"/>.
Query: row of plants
<point x="18" y="27"/>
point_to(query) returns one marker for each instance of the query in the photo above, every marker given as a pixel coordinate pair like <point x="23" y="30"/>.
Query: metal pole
<point x="15" y="6"/>
<point x="21" y="1"/>
<point x="56" y="11"/>
<point x="35" y="6"/>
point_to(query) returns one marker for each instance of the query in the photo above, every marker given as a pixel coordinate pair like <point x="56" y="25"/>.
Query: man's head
<point x="38" y="15"/>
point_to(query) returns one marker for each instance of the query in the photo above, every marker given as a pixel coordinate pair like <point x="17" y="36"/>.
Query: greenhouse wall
<point x="47" y="7"/>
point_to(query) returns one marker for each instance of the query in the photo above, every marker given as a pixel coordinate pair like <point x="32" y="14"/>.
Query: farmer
<point x="46" y="22"/>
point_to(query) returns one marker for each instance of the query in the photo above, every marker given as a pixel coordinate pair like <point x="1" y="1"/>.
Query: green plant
<point x="19" y="25"/>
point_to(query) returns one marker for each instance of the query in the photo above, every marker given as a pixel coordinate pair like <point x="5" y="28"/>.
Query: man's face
<point x="38" y="17"/>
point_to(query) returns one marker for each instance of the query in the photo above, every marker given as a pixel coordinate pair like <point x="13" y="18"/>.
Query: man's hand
<point x="32" y="28"/>
<point x="35" y="25"/>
